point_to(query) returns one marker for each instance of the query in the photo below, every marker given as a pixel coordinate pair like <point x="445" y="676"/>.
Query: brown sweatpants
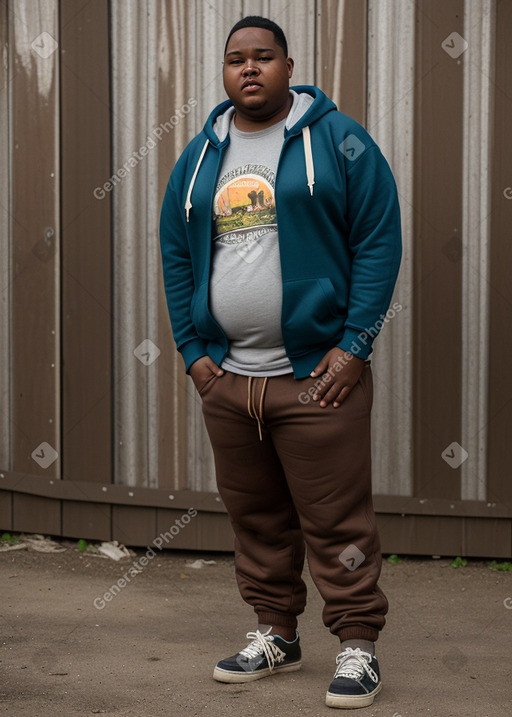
<point x="291" y="475"/>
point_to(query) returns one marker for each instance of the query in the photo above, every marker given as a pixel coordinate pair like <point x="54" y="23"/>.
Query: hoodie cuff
<point x="192" y="351"/>
<point x="358" y="343"/>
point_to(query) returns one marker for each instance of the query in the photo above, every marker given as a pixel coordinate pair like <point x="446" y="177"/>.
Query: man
<point x="280" y="235"/>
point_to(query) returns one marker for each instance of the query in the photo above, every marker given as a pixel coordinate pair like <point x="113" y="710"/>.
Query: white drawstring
<point x="188" y="203"/>
<point x="308" y="155"/>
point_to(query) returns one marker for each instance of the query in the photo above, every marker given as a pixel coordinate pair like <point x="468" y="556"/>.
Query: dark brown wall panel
<point x="174" y="91"/>
<point x="500" y="345"/>
<point x="86" y="520"/>
<point x="5" y="510"/>
<point x="35" y="359"/>
<point x="32" y="514"/>
<point x="445" y="536"/>
<point x="205" y="531"/>
<point x="437" y="248"/>
<point x="350" y="94"/>
<point x="488" y="538"/>
<point x="86" y="242"/>
<point x="133" y="526"/>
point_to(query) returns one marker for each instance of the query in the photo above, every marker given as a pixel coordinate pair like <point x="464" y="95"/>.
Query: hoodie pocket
<point x="311" y="318"/>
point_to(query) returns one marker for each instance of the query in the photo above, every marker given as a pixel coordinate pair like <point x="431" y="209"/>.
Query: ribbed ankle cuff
<point x="358" y="632"/>
<point x="277" y="620"/>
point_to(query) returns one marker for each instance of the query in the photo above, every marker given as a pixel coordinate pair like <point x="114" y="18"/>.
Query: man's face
<point x="257" y="74"/>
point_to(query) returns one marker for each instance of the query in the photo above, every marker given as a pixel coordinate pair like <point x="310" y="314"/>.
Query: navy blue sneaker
<point x="356" y="680"/>
<point x="266" y="655"/>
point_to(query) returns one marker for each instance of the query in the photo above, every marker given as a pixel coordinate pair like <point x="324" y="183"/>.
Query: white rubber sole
<point x="349" y="702"/>
<point x="231" y="677"/>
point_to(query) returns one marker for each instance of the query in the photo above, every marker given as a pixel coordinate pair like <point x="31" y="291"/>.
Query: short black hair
<point x="265" y="24"/>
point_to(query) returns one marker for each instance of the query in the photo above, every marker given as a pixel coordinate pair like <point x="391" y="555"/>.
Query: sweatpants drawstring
<point x="251" y="408"/>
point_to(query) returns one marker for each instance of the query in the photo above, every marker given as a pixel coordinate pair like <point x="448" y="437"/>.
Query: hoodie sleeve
<point x="373" y="215"/>
<point x="178" y="277"/>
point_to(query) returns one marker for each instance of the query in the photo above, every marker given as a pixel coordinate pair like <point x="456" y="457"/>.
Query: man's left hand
<point x="339" y="372"/>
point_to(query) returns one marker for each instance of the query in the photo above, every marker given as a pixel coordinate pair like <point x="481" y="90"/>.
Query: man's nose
<point x="249" y="68"/>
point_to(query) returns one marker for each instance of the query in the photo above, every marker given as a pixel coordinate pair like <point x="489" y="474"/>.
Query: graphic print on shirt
<point x="244" y="204"/>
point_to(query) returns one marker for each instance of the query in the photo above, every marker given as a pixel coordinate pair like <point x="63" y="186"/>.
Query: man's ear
<point x="291" y="65"/>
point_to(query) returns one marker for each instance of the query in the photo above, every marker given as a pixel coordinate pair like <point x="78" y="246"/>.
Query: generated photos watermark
<point x="454" y="455"/>
<point x="351" y="557"/>
<point x="306" y="396"/>
<point x="137" y="566"/>
<point x="136" y="157"/>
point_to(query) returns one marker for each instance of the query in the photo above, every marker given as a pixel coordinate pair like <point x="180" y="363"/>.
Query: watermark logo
<point x="351" y="557"/>
<point x="147" y="352"/>
<point x="351" y="147"/>
<point x="454" y="45"/>
<point x="153" y="137"/>
<point x="454" y="455"/>
<point x="44" y="455"/>
<point x="137" y="566"/>
<point x="508" y="603"/>
<point x="45" y="45"/>
<point x="507" y="192"/>
<point x="306" y="396"/>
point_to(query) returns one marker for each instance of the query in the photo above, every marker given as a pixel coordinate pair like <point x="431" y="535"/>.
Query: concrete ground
<point x="446" y="650"/>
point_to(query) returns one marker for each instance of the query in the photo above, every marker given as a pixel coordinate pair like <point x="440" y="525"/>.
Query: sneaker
<point x="265" y="655"/>
<point x="356" y="680"/>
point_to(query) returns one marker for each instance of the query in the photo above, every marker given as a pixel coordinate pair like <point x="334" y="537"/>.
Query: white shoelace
<point x="353" y="664"/>
<point x="263" y="644"/>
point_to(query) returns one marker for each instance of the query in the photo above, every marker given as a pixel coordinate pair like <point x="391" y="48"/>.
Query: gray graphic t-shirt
<point x="246" y="285"/>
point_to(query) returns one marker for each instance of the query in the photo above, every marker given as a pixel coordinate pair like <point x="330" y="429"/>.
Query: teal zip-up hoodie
<point x="338" y="223"/>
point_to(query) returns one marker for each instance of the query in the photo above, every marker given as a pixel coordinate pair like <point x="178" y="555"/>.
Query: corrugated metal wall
<point x="105" y="95"/>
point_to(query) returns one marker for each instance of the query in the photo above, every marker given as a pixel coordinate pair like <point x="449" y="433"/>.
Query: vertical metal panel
<point x="173" y="94"/>
<point x="437" y="267"/>
<point x="5" y="249"/>
<point x="35" y="230"/>
<point x="135" y="212"/>
<point x="298" y="21"/>
<point x="86" y="242"/>
<point x="391" y="83"/>
<point x="341" y="54"/>
<point x="207" y="27"/>
<point x="499" y="424"/>
<point x="479" y="33"/>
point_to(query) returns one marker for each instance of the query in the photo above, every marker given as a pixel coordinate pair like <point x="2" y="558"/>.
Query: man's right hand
<point x="203" y="370"/>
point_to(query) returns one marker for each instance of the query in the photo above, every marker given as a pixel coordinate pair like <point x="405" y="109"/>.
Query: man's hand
<point x="339" y="372"/>
<point x="203" y="371"/>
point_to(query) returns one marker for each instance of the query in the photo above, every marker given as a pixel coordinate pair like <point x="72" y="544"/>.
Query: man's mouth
<point x="250" y="86"/>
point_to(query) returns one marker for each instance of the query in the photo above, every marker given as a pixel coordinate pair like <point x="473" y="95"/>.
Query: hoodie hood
<point x="309" y="105"/>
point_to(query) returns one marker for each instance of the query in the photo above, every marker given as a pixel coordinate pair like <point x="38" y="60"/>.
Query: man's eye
<point x="235" y="62"/>
<point x="265" y="59"/>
